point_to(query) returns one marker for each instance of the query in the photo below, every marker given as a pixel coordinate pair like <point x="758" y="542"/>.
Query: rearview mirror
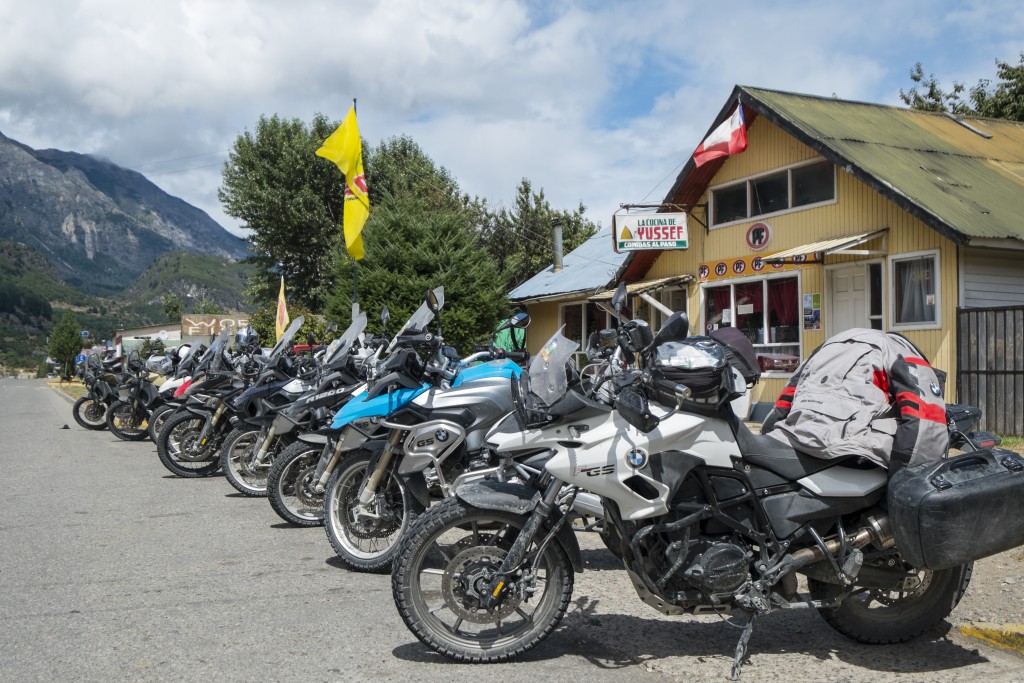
<point x="435" y="299"/>
<point x="385" y="316"/>
<point x="520" y="320"/>
<point x="619" y="298"/>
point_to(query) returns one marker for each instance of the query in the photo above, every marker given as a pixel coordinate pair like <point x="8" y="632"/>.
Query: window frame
<point x="746" y="180"/>
<point x="763" y="279"/>
<point x="890" y="289"/>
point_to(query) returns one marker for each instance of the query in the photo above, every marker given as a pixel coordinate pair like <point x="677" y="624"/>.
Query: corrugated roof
<point x="589" y="268"/>
<point x="645" y="286"/>
<point x="961" y="183"/>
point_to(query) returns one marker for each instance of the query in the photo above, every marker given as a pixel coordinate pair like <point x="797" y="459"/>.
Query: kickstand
<point x="741" y="649"/>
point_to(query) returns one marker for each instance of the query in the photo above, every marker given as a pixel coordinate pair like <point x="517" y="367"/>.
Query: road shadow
<point x="615" y="641"/>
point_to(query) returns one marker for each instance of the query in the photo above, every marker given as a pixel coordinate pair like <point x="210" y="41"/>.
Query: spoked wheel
<point x="290" y="485"/>
<point x="450" y="559"/>
<point x="90" y="413"/>
<point x="366" y="538"/>
<point x="128" y="421"/>
<point x="180" y="449"/>
<point x="238" y="460"/>
<point x="916" y="602"/>
<point x="157" y="419"/>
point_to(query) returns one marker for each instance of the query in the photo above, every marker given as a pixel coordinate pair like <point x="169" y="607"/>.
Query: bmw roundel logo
<point x="935" y="388"/>
<point x="637" y="458"/>
<point x="441" y="435"/>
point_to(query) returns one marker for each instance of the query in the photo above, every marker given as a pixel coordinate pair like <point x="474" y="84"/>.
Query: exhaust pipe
<point x="877" y="532"/>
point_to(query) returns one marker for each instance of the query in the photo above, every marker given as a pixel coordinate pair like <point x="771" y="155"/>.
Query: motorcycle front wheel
<point x="127" y="421"/>
<point x="290" y="485"/>
<point x="156" y="420"/>
<point x="180" y="450"/>
<point x="366" y="539"/>
<point x="449" y="557"/>
<point x="920" y="600"/>
<point x="90" y="413"/>
<point x="238" y="460"/>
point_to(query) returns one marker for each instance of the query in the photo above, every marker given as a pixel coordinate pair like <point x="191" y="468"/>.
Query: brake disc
<point x="467" y="578"/>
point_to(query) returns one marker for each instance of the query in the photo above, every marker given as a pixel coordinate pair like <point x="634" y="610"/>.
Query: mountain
<point x="194" y="278"/>
<point x="97" y="224"/>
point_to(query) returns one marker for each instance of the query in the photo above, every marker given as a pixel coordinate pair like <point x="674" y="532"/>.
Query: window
<point x="730" y="203"/>
<point x="915" y="293"/>
<point x="580" y="320"/>
<point x="673" y="298"/>
<point x="813" y="183"/>
<point x="875" y="295"/>
<point x="769" y="194"/>
<point x="766" y="311"/>
<point x="793" y="188"/>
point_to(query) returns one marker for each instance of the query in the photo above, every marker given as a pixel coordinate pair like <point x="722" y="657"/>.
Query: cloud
<point x="596" y="102"/>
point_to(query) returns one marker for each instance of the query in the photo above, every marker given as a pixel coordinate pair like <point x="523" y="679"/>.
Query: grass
<point x="73" y="389"/>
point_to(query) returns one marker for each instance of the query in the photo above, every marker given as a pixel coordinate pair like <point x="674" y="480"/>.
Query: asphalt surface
<point x="113" y="569"/>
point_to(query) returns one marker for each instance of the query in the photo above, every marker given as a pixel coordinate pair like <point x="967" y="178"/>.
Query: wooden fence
<point x="990" y="366"/>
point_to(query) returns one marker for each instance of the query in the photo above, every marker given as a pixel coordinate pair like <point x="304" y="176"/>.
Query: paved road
<point x="112" y="569"/>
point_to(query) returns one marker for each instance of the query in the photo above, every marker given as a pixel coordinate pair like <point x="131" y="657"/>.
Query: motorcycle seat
<point x="777" y="456"/>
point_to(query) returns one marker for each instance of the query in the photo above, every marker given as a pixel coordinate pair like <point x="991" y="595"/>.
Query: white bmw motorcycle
<point x="710" y="518"/>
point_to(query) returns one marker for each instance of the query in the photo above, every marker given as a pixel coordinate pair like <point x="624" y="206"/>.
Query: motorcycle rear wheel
<point x="127" y="421"/>
<point x="179" y="451"/>
<point x="452" y="551"/>
<point x="289" y="485"/>
<point x="363" y="543"/>
<point x="237" y="460"/>
<point x="876" y="616"/>
<point x="90" y="413"/>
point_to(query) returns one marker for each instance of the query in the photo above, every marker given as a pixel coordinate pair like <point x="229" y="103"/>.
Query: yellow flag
<point x="281" y="324"/>
<point x="345" y="148"/>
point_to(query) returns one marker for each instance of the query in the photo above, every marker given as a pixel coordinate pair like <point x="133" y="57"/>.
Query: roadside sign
<point x="84" y="333"/>
<point x="80" y="358"/>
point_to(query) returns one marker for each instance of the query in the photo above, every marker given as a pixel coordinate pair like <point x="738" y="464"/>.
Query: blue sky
<point x="595" y="102"/>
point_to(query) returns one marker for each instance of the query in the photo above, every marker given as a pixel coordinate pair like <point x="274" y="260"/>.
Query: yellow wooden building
<point x="839" y="214"/>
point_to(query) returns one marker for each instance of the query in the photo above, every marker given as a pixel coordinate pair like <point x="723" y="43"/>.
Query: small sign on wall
<point x="812" y="311"/>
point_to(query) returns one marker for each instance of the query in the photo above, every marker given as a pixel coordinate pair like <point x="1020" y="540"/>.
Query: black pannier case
<point x="954" y="511"/>
<point x="698" y="362"/>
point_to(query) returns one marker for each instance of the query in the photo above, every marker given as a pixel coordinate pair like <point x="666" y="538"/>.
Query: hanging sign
<point x="649" y="231"/>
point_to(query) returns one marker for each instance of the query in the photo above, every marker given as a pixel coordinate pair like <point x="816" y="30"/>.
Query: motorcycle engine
<point x="719" y="568"/>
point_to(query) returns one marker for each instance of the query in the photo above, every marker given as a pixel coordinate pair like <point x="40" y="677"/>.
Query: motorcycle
<point x="171" y="391"/>
<point x="283" y="406"/>
<point x="128" y="416"/>
<point x="190" y="440"/>
<point x="711" y="519"/>
<point x="101" y="378"/>
<point x="434" y="419"/>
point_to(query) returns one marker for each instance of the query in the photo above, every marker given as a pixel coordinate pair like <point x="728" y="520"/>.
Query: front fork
<point x="211" y="423"/>
<point x="369" y="490"/>
<point x="261" y="455"/>
<point x="513" y="561"/>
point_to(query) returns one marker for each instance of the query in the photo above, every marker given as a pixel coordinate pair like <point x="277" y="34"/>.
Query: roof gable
<point x="954" y="179"/>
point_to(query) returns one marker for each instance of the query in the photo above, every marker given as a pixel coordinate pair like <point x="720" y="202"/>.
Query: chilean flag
<point x="728" y="138"/>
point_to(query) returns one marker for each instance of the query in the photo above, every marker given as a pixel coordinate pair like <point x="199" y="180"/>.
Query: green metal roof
<point x="967" y="184"/>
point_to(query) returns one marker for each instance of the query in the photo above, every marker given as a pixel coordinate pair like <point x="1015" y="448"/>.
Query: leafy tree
<point x="412" y="247"/>
<point x="520" y="238"/>
<point x="398" y="167"/>
<point x="172" y="306"/>
<point x="65" y="342"/>
<point x="265" y="318"/>
<point x="207" y="307"/>
<point x="292" y="200"/>
<point x="1005" y="100"/>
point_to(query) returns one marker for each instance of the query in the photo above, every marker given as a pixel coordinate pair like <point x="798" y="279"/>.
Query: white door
<point x="848" y="299"/>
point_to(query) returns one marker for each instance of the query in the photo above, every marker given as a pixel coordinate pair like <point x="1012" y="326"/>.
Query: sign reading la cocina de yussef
<point x="632" y="232"/>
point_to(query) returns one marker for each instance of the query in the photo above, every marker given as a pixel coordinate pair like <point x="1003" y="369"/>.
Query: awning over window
<point x="817" y="251"/>
<point x="643" y="287"/>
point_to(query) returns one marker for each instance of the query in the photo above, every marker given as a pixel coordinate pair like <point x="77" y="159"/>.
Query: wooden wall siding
<point x="858" y="209"/>
<point x="543" y="325"/>
<point x="991" y="366"/>
<point x="992" y="278"/>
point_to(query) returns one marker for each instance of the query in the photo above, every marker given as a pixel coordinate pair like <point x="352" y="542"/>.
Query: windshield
<point x="286" y="338"/>
<point x="217" y="350"/>
<point x="418" y="321"/>
<point x="340" y="346"/>
<point x="547" y="369"/>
